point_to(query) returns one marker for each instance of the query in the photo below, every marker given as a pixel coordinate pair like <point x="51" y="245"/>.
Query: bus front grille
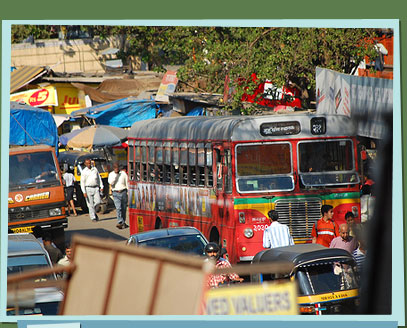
<point x="28" y="215"/>
<point x="299" y="214"/>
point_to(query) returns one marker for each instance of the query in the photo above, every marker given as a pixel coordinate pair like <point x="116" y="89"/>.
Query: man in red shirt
<point x="324" y="230"/>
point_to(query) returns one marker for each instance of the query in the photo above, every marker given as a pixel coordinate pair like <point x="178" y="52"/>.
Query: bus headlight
<point x="55" y="212"/>
<point x="355" y="211"/>
<point x="248" y="233"/>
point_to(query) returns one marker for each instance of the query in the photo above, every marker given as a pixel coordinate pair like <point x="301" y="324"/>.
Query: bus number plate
<point x="23" y="229"/>
<point x="260" y="227"/>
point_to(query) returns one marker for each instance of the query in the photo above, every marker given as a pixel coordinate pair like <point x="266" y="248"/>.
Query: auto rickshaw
<point x="73" y="161"/>
<point x="326" y="277"/>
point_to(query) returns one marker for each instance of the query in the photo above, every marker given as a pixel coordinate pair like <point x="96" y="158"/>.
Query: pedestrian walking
<point x="344" y="240"/>
<point x="54" y="253"/>
<point x="69" y="180"/>
<point x="213" y="251"/>
<point x="66" y="260"/>
<point x="92" y="186"/>
<point x="359" y="255"/>
<point x="118" y="181"/>
<point x="276" y="234"/>
<point x="325" y="229"/>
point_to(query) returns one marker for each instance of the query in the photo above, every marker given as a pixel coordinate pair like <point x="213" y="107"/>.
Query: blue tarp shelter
<point x="120" y="113"/>
<point x="197" y="111"/>
<point x="31" y="126"/>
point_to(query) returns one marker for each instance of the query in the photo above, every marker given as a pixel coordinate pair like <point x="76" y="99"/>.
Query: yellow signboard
<point x="262" y="299"/>
<point x="46" y="96"/>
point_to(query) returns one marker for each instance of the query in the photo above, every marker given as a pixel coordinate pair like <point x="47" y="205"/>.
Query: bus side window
<point x="228" y="175"/>
<point x="167" y="164"/>
<point x="192" y="180"/>
<point x="158" y="166"/>
<point x="175" y="165"/>
<point x="208" y="168"/>
<point x="131" y="162"/>
<point x="137" y="159"/>
<point x="143" y="173"/>
<point x="219" y="173"/>
<point x="184" y="166"/>
<point x="151" y="165"/>
<point x="201" y="167"/>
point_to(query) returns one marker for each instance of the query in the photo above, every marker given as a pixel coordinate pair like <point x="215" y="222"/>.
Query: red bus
<point x="223" y="174"/>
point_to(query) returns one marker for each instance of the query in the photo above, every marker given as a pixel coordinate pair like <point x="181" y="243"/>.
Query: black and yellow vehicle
<point x="326" y="277"/>
<point x="73" y="161"/>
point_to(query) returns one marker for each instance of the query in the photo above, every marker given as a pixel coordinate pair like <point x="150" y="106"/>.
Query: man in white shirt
<point x="92" y="186"/>
<point x="118" y="182"/>
<point x="276" y="234"/>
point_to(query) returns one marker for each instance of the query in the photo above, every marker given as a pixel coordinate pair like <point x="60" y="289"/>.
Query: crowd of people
<point x="325" y="231"/>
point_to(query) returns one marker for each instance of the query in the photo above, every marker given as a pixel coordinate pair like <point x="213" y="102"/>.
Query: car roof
<point x="300" y="253"/>
<point x="166" y="232"/>
<point x="24" y="244"/>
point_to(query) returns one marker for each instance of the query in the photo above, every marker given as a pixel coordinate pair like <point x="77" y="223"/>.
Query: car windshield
<point x="22" y="264"/>
<point x="326" y="277"/>
<point x="32" y="169"/>
<point x="193" y="244"/>
<point x="327" y="162"/>
<point x="264" y="167"/>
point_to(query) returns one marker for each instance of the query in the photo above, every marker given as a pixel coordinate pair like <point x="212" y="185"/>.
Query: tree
<point x="209" y="55"/>
<point x="285" y="56"/>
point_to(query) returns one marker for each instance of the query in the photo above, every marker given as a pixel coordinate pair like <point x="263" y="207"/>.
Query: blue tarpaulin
<point x="120" y="113"/>
<point x="197" y="111"/>
<point x="32" y="126"/>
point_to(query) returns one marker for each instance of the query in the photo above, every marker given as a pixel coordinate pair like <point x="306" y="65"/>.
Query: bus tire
<point x="214" y="236"/>
<point x="158" y="224"/>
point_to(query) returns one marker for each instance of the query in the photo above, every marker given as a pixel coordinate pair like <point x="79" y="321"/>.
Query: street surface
<point x="104" y="228"/>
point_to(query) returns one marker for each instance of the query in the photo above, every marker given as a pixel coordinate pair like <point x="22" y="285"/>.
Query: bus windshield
<point x="32" y="170"/>
<point x="327" y="162"/>
<point x="264" y="167"/>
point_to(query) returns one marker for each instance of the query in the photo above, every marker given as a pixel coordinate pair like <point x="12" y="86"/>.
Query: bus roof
<point x="239" y="128"/>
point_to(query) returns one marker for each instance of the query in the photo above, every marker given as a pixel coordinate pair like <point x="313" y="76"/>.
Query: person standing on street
<point x="118" y="181"/>
<point x="69" y="180"/>
<point x="344" y="240"/>
<point x="54" y="253"/>
<point x="276" y="234"/>
<point x="325" y="229"/>
<point x="92" y="186"/>
<point x="213" y="251"/>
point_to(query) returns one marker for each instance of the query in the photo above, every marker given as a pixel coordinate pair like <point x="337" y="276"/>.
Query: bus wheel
<point x="214" y="236"/>
<point x="158" y="224"/>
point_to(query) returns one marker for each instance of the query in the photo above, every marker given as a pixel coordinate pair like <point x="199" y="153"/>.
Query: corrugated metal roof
<point x="24" y="75"/>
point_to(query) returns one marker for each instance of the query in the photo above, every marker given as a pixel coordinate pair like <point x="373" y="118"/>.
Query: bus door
<point x="222" y="161"/>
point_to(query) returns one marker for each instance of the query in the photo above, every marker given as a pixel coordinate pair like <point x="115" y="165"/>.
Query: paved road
<point x="104" y="228"/>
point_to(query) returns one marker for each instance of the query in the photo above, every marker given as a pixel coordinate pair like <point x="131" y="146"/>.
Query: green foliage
<point x="207" y="55"/>
<point x="22" y="32"/>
